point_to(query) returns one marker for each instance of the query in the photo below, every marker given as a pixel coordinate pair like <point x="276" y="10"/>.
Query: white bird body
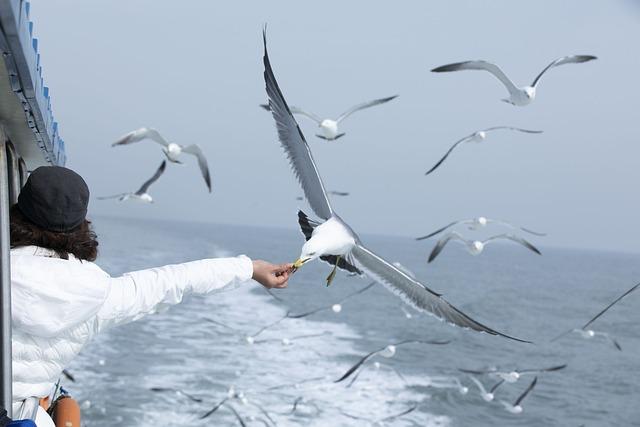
<point x="486" y="396"/>
<point x="475" y="247"/>
<point x="510" y="377"/>
<point x="478" y="136"/>
<point x="332" y="237"/>
<point x="142" y="194"/>
<point x="172" y="151"/>
<point x="517" y="409"/>
<point x="389" y="351"/>
<point x="329" y="129"/>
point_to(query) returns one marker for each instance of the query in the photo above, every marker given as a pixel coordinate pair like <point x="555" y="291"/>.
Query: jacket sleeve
<point x="138" y="293"/>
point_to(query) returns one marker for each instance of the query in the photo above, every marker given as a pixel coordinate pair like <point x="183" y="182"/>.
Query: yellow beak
<point x="298" y="263"/>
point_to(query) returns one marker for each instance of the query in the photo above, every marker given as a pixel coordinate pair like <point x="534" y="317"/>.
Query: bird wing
<point x="527" y="391"/>
<point x="458" y="142"/>
<point x="215" y="408"/>
<point x="586" y="325"/>
<point x="297" y="110"/>
<point x="363" y="359"/>
<point x="479" y="384"/>
<point x="438" y="231"/>
<point x="202" y="162"/>
<point x="338" y="193"/>
<point x="571" y="59"/>
<point x="295" y="145"/>
<point x="516" y="239"/>
<point x="153" y="179"/>
<point x="551" y="369"/>
<point x="511" y="128"/>
<point x="364" y="105"/>
<point x="140" y="134"/>
<point x="398" y="415"/>
<point x="480" y="65"/>
<point x="413" y="292"/>
<point x="508" y="224"/>
<point x="442" y="243"/>
<point x="115" y="196"/>
<point x="474" y="371"/>
<point x="496" y="385"/>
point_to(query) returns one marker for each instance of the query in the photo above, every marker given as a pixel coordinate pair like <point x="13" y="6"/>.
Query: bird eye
<point x="312" y="253"/>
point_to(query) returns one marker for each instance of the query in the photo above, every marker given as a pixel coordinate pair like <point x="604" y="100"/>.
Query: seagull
<point x="519" y="96"/>
<point x="587" y="333"/>
<point x="170" y="149"/>
<point x="332" y="192"/>
<point x="329" y="127"/>
<point x="478" y="136"/>
<point x="516" y="408"/>
<point x="140" y="195"/>
<point x="475" y="247"/>
<point x="387" y="351"/>
<point x="381" y="421"/>
<point x="487" y="396"/>
<point x="479" y="222"/>
<point x="333" y="240"/>
<point x="513" y="376"/>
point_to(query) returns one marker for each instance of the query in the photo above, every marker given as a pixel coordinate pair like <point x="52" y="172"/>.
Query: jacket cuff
<point x="246" y="268"/>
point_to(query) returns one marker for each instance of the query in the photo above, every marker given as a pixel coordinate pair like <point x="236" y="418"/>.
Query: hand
<point x="271" y="275"/>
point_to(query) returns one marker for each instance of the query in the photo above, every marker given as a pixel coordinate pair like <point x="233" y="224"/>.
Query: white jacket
<point x="59" y="305"/>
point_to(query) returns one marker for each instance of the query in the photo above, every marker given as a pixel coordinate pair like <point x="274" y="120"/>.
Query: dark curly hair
<point x="81" y="242"/>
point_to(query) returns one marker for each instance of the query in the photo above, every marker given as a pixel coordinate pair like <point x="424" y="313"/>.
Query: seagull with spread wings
<point x="333" y="240"/>
<point x="475" y="247"/>
<point x="477" y="223"/>
<point x="477" y="136"/>
<point x="514" y="375"/>
<point x="329" y="127"/>
<point x="519" y="96"/>
<point x="142" y="194"/>
<point x="516" y="408"/>
<point x="170" y="149"/>
<point x="587" y="333"/>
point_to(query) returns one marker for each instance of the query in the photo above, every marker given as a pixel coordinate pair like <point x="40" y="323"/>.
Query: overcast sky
<point x="194" y="69"/>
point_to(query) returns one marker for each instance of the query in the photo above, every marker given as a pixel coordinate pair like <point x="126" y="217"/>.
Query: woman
<point x="61" y="299"/>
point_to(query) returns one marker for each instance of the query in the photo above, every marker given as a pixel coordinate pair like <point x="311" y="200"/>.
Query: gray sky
<point x="193" y="70"/>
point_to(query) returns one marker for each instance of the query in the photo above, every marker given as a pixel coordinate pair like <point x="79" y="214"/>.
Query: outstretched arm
<point x="138" y="293"/>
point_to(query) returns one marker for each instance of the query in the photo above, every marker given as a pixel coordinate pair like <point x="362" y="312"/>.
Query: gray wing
<point x="551" y="369"/>
<point x="512" y="128"/>
<point x="458" y="142"/>
<point x="527" y="391"/>
<point x="295" y="145"/>
<point x="339" y="193"/>
<point x="140" y="134"/>
<point x="115" y="196"/>
<point x="442" y="243"/>
<point x="516" y="239"/>
<point x="153" y="179"/>
<point x="398" y="415"/>
<point x="571" y="59"/>
<point x="296" y="110"/>
<point x="480" y="65"/>
<point x="495" y="386"/>
<point x="508" y="224"/>
<point x="363" y="106"/>
<point x="413" y="292"/>
<point x="438" y="231"/>
<point x="202" y="162"/>
<point x="586" y="325"/>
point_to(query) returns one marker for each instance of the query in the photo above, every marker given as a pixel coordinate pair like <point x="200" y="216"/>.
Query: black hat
<point x="55" y="198"/>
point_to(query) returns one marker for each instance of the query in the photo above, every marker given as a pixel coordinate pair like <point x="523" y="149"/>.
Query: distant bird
<point x="142" y="194"/>
<point x="177" y="391"/>
<point x="170" y="149"/>
<point x="329" y="127"/>
<point x="515" y="375"/>
<point x="386" y="351"/>
<point x="587" y="333"/>
<point x="333" y="240"/>
<point x="332" y="192"/>
<point x="479" y="222"/>
<point x="487" y="396"/>
<point x="478" y="136"/>
<point x="519" y="96"/>
<point x="475" y="247"/>
<point x="516" y="408"/>
<point x="381" y="421"/>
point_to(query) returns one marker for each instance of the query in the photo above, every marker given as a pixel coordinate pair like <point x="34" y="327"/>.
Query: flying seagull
<point x="587" y="333"/>
<point x="142" y="194"/>
<point x="334" y="239"/>
<point x="487" y="396"/>
<point x="515" y="375"/>
<point x="381" y="421"/>
<point x="519" y="96"/>
<point x="516" y="408"/>
<point x="478" y="136"/>
<point x="475" y="247"/>
<point x="329" y="127"/>
<point x="177" y="391"/>
<point x="386" y="351"/>
<point x="476" y="223"/>
<point x="170" y="149"/>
